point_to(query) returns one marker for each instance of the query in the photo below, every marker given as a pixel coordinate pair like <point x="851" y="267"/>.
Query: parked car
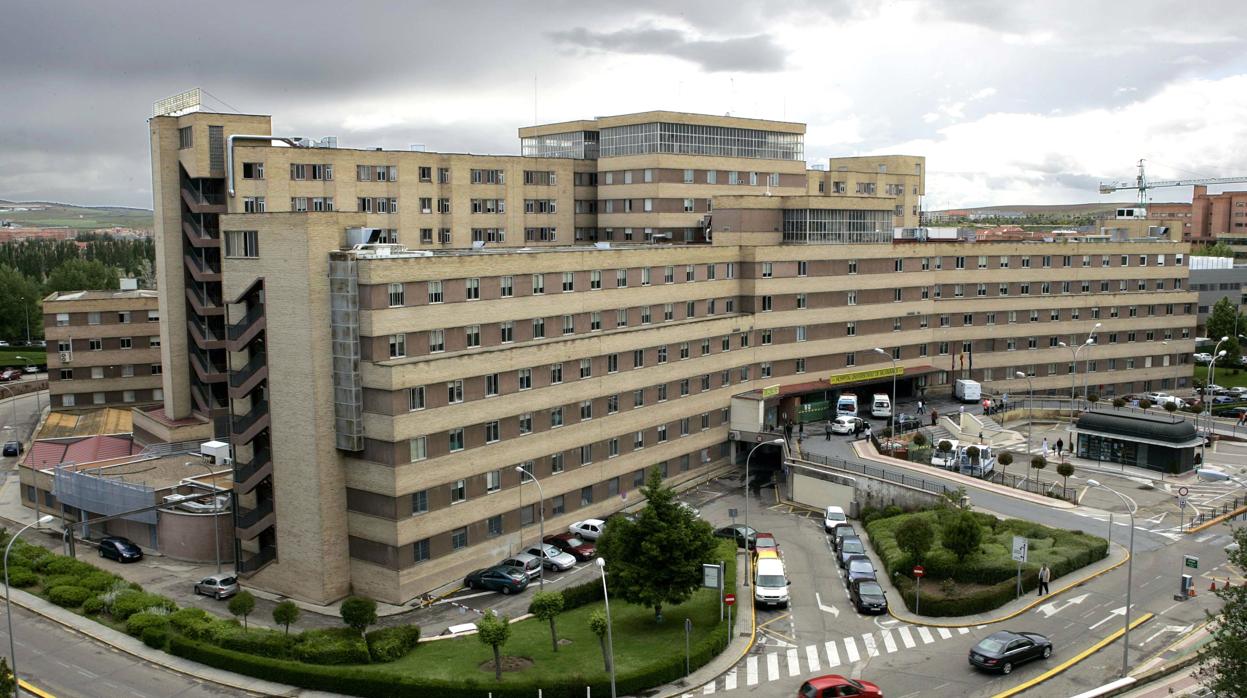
<point x="868" y="597"/>
<point x="1004" y="650"/>
<point x="3" y="343"/>
<point x="834" y="685"/>
<point x="120" y="549"/>
<point x="689" y="508"/>
<point x="508" y="580"/>
<point x="1234" y="412"/>
<point x="844" y="424"/>
<point x="840" y="532"/>
<point x="1213" y="389"/>
<point x="589" y="529"/>
<point x="764" y="541"/>
<point x="744" y="535"/>
<point x="552" y="557"/>
<point x="860" y="569"/>
<point x="1222" y="399"/>
<point x="573" y="546"/>
<point x="907" y="422"/>
<point x="1238" y="390"/>
<point x="31" y="369"/>
<point x="1203" y="357"/>
<point x="10" y="374"/>
<point x="13" y="448"/>
<point x="832" y="516"/>
<point x="218" y="586"/>
<point x="850" y="547"/>
<point x="525" y="562"/>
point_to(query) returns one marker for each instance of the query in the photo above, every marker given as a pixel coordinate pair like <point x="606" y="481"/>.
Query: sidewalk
<point x="1171" y="671"/>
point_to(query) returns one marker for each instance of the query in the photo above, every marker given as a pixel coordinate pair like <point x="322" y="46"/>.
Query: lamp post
<point x="216" y="521"/>
<point x="8" y="604"/>
<point x="1073" y="379"/>
<point x="1090" y="343"/>
<point x="748" y="555"/>
<point x="1030" y="408"/>
<point x="541" y="531"/>
<point x="610" y="642"/>
<point x="1212" y="372"/>
<point x="892" y="409"/>
<point x="26" y="314"/>
<point x="1130" y="507"/>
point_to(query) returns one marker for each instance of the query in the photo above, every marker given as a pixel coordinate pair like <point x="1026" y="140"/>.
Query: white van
<point x="881" y="406"/>
<point x="847" y="404"/>
<point x="968" y="390"/>
<point x="946" y="459"/>
<point x="770" y="583"/>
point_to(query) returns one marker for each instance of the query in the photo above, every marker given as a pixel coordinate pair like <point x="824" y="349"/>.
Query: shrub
<point x="139" y="622"/>
<point x="156" y="638"/>
<point x="184" y="618"/>
<point x="21" y="577"/>
<point x="1119" y="403"/>
<point x="62" y="580"/>
<point x="129" y="602"/>
<point x="1145" y="403"/>
<point x="915" y="536"/>
<point x="962" y="535"/>
<point x="98" y="581"/>
<point x="263" y="643"/>
<point x="358" y="612"/>
<point x="58" y="564"/>
<point x="331" y="646"/>
<point x="919" y="439"/>
<point x="68" y="596"/>
<point x="580" y="595"/>
<point x="390" y="644"/>
<point x="93" y="605"/>
<point x="242" y="605"/>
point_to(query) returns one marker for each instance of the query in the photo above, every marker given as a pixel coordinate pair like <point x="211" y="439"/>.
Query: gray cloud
<point x="754" y="54"/>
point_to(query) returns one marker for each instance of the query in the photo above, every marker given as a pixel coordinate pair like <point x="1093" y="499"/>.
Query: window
<point x="437" y="341"/>
<point x="539" y="328"/>
<point x="491" y="432"/>
<point x="556" y="374"/>
<point x="491" y="384"/>
<point x="852" y="266"/>
<point x="396" y="295"/>
<point x="569" y="324"/>
<point x="506" y="286"/>
<point x="586" y="368"/>
<point x="459" y="537"/>
<point x="586" y="410"/>
<point x="415" y="398"/>
<point x="186" y="138"/>
<point x="850" y="359"/>
<point x="801" y="333"/>
<point x="242" y="243"/>
<point x="127" y="343"/>
<point x="398" y="345"/>
<point x="253" y="170"/>
<point x="418" y="448"/>
<point x="455" y="439"/>
<point x="454" y="391"/>
<point x="435" y="292"/>
<point x="420" y="502"/>
<point x="526" y="423"/>
<point x="539" y="284"/>
<point x="801" y="301"/>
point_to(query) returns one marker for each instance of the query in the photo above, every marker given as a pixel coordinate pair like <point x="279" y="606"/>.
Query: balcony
<point x="203" y="336"/>
<point x="207" y="370"/>
<point x="200" y="270"/>
<point x="247" y="328"/>
<point x="246" y="427"/>
<point x="250" y="474"/>
<point x="245" y="379"/>
<point x="197" y="236"/>
<point x="251" y="522"/>
<point x="197" y="202"/>
<point x="249" y="564"/>
<point x="204" y="305"/>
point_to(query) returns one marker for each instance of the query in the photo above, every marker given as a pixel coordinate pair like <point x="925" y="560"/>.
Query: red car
<point x="834" y="685"/>
<point x="764" y="541"/>
<point x="573" y="545"/>
<point x="11" y="374"/>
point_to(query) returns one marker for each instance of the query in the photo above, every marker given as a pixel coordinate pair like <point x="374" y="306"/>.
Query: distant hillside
<point x="52" y="214"/>
<point x="1044" y="209"/>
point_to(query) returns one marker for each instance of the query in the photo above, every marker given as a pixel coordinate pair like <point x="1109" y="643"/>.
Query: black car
<point x="12" y="448"/>
<point x="859" y="569"/>
<point x="868" y="597"/>
<point x="840" y="532"/>
<point x="1004" y="650"/>
<point x="498" y="578"/>
<point x="907" y="422"/>
<point x="850" y="548"/>
<point x="744" y="535"/>
<point x="120" y="549"/>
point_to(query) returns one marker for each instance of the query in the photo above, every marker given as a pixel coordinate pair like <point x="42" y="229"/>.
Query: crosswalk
<point x="839" y="654"/>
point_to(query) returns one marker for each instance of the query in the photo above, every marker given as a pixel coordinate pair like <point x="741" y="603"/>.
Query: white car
<point x="589" y="529"/>
<point x="690" y="509"/>
<point x="844" y="425"/>
<point x="832" y="516"/>
<point x="1203" y="357"/>
<point x="552" y="557"/>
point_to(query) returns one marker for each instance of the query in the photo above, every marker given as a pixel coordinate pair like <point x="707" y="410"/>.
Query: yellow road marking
<point x="29" y="688"/>
<point x="1072" y="660"/>
<point x="778" y="618"/>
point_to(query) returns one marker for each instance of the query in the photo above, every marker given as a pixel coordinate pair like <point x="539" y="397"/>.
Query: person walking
<point x="827" y="433"/>
<point x="1045" y="575"/>
<point x="1060" y="445"/>
<point x="921" y="407"/>
<point x="935" y="415"/>
<point x="1043" y="447"/>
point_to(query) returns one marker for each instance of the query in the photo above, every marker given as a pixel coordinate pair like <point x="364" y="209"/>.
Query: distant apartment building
<point x="1209" y="217"/>
<point x="103" y="348"/>
<point x="384" y="336"/>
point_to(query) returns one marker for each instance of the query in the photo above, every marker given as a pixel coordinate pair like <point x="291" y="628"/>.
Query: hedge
<point x="265" y="643"/>
<point x="331" y="646"/>
<point x="389" y="644"/>
<point x="130" y="602"/>
<point x="21" y="577"/>
<point x="68" y="596"/>
<point x="156" y="638"/>
<point x="139" y="622"/>
<point x="93" y="605"/>
<point x="982" y="600"/>
<point x="59" y="564"/>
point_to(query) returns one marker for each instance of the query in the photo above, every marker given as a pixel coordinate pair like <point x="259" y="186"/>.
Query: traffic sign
<point x="919" y="571"/>
<point x="1190" y="561"/>
<point x="1182" y="491"/>
<point x="729" y="599"/>
<point x="1020" y="547"/>
<point x="1181" y="502"/>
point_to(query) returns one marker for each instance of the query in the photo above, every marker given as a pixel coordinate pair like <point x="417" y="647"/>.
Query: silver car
<point x="552" y="557"/>
<point x="218" y="586"/>
<point x="531" y="564"/>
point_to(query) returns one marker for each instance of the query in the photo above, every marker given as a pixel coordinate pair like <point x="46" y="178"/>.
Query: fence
<point x="1217" y="510"/>
<point x="1033" y="485"/>
<point x="878" y="473"/>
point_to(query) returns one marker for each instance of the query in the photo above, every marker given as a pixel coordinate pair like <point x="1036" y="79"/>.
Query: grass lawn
<point x="1226" y="377"/>
<point x="638" y="641"/>
<point x="32" y="355"/>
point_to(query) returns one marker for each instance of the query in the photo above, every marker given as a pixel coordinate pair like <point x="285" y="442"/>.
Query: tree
<point x="1222" y="668"/>
<point x="944" y="446"/>
<point x="597" y="623"/>
<point x="1065" y="469"/>
<point x="919" y="440"/>
<point x="82" y="275"/>
<point x="1038" y="463"/>
<point x="656" y="559"/>
<point x="285" y="613"/>
<point x="1093" y="398"/>
<point x="1221" y="322"/>
<point x="1171" y="407"/>
<point x="915" y="538"/>
<point x="1218" y="249"/>
<point x="494" y="631"/>
<point x="19" y="305"/>
<point x="1145" y="404"/>
<point x="242" y="604"/>
<point x="8" y="682"/>
<point x="961" y="535"/>
<point x="547" y="605"/>
<point x="1119" y="403"/>
<point x="1005" y="460"/>
<point x="359" y="612"/>
<point x="973" y="452"/>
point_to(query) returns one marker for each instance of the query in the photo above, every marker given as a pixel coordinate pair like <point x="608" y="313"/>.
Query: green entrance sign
<point x="1191" y="561"/>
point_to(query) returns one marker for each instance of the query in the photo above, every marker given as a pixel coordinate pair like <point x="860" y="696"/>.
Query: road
<point x="69" y="665"/>
<point x="18" y="417"/>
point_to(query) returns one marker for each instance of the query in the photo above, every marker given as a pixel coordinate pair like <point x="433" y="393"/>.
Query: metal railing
<point x="245" y="422"/>
<point x="266" y="555"/>
<point x="881" y="474"/>
<point x="1033" y="485"/>
<point x="250" y="517"/>
<point x="1213" y="512"/>
<point x="244" y="374"/>
<point x="239" y="328"/>
<point x="244" y="471"/>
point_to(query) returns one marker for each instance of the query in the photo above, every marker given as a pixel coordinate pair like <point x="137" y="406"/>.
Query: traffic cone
<point x="1212" y="586"/>
<point x="1191" y="592"/>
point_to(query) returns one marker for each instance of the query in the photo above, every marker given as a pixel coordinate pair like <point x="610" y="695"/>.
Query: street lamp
<point x="1073" y="380"/>
<point x="1212" y="372"/>
<point x="748" y="555"/>
<point x="610" y="642"/>
<point x="1030" y="408"/>
<point x="1131" y="507"/>
<point x="8" y="604"/>
<point x="216" y="521"/>
<point x="541" y="531"/>
<point x="892" y="410"/>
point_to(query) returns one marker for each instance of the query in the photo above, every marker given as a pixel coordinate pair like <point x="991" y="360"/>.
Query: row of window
<point x="97" y="372"/>
<point x="1004" y="261"/>
<point x="389" y="173"/>
<point x="66" y="345"/>
<point x="72" y="400"/>
<point x="121" y="317"/>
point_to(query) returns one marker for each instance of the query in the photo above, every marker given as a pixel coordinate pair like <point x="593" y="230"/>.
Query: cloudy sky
<point x="1011" y="102"/>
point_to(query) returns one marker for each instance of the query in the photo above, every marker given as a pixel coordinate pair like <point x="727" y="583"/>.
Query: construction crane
<point x="1142" y="183"/>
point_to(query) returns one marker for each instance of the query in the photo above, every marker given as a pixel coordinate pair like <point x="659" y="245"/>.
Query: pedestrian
<point x="1060" y="445"/>
<point x="961" y="410"/>
<point x="1044" y="447"/>
<point x="827" y="434"/>
<point x="1045" y="576"/>
<point x="921" y="407"/>
<point x="1004" y="401"/>
<point x="935" y="415"/>
<point x="801" y="430"/>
